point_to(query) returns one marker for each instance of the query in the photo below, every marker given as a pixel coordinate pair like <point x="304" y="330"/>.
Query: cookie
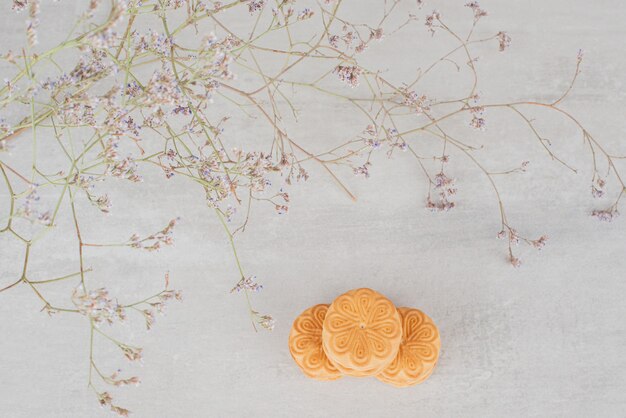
<point x="419" y="350"/>
<point x="362" y="332"/>
<point x="305" y="345"/>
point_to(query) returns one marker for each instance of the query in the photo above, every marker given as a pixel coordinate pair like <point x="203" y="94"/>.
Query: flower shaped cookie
<point x="305" y="345"/>
<point x="362" y="332"/>
<point x="419" y="350"/>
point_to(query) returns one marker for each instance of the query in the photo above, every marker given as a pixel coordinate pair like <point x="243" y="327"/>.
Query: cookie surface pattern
<point x="418" y="353"/>
<point x="305" y="344"/>
<point x="362" y="332"/>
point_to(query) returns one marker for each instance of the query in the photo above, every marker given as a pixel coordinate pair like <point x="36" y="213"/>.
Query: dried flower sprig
<point x="99" y="307"/>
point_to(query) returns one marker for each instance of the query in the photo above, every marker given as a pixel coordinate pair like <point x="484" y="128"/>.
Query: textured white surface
<point x="546" y="340"/>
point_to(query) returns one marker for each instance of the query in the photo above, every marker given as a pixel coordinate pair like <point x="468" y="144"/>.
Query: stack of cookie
<point x="363" y="334"/>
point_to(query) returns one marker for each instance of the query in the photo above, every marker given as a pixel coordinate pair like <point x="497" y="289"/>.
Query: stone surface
<point x="545" y="340"/>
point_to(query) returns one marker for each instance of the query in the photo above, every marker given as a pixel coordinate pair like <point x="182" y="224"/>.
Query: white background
<point x="547" y="339"/>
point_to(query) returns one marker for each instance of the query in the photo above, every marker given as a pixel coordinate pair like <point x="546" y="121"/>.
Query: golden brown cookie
<point x="362" y="332"/>
<point x="305" y="345"/>
<point x="419" y="350"/>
